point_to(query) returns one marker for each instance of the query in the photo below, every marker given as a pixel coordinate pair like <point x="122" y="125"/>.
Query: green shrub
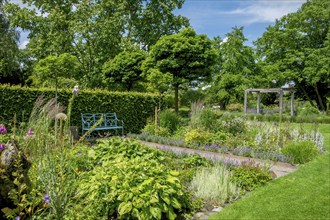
<point x="301" y="152"/>
<point x="129" y="181"/>
<point x="208" y="119"/>
<point x="197" y="136"/>
<point x="308" y="110"/>
<point x="233" y="125"/>
<point x="249" y="176"/>
<point x="152" y="129"/>
<point x="238" y="107"/>
<point x="170" y="120"/>
<point x="214" y="185"/>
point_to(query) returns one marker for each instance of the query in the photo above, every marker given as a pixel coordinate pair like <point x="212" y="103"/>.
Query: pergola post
<point x="292" y="104"/>
<point x="245" y="101"/>
<point x="258" y="102"/>
<point x="281" y="101"/>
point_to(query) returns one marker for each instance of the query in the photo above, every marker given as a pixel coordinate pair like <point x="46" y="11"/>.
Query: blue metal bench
<point x="109" y="122"/>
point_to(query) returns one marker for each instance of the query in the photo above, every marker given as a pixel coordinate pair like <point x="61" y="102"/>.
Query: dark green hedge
<point x="133" y="108"/>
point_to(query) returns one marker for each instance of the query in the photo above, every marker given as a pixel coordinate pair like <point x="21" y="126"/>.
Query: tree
<point x="56" y="71"/>
<point x="94" y="31"/>
<point x="9" y="49"/>
<point x="236" y="69"/>
<point x="125" y="68"/>
<point x="188" y="57"/>
<point x="296" y="49"/>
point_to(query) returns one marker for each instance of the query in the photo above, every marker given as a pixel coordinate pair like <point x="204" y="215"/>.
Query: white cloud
<point x="23" y="44"/>
<point x="266" y="11"/>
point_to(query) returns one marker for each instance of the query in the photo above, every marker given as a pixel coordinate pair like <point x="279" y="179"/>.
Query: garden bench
<point x="109" y="122"/>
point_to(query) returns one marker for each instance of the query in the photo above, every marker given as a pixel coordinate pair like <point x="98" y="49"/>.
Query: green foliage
<point x="208" y="119"/>
<point x="188" y="57"/>
<point x="197" y="136"/>
<point x="308" y="110"/>
<point x="129" y="180"/>
<point x="9" y="47"/>
<point x="153" y="129"/>
<point x="92" y="30"/>
<point x="62" y="71"/>
<point x="250" y="176"/>
<point x="218" y="188"/>
<point x="124" y="69"/>
<point x="233" y="125"/>
<point x="297" y="49"/>
<point x="170" y="120"/>
<point x="133" y="108"/>
<point x="301" y="152"/>
<point x="238" y="107"/>
<point x="236" y="69"/>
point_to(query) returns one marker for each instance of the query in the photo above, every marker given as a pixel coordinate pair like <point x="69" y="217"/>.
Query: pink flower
<point x="30" y="132"/>
<point x="2" y="146"/>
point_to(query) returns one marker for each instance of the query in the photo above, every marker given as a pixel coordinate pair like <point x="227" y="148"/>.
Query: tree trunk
<point x="307" y="96"/>
<point x="176" y="97"/>
<point x="319" y="99"/>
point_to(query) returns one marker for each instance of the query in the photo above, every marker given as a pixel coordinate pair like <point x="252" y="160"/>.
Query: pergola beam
<point x="280" y="91"/>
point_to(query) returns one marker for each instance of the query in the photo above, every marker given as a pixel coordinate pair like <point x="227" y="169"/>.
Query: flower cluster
<point x="30" y="132"/>
<point x="46" y="198"/>
<point x="3" y="129"/>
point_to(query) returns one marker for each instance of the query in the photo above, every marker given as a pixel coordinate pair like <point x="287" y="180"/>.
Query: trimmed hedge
<point x="133" y="108"/>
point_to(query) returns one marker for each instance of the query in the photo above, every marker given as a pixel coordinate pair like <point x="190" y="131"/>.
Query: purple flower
<point x="46" y="199"/>
<point x="30" y="132"/>
<point x="2" y="146"/>
<point x="3" y="129"/>
<point x="18" y="218"/>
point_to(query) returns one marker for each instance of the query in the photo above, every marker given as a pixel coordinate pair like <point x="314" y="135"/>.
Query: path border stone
<point x="278" y="168"/>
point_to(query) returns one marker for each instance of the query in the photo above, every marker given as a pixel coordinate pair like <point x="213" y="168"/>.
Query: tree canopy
<point x="188" y="57"/>
<point x="56" y="71"/>
<point x="125" y="69"/>
<point x="94" y="31"/>
<point x="8" y="44"/>
<point x="296" y="49"/>
<point x="236" y="69"/>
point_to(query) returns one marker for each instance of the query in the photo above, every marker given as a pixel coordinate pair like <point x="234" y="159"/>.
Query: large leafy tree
<point x="296" y="49"/>
<point x="236" y="69"/>
<point x="125" y="69"/>
<point x="9" y="49"/>
<point x="56" y="71"/>
<point x="94" y="31"/>
<point x="188" y="57"/>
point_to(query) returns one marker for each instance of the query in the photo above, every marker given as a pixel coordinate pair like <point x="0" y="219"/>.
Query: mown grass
<point x="304" y="194"/>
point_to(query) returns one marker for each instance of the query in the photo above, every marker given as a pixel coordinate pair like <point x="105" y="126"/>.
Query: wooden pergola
<point x="280" y="91"/>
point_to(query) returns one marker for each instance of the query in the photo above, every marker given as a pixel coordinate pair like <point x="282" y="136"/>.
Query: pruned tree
<point x="188" y="57"/>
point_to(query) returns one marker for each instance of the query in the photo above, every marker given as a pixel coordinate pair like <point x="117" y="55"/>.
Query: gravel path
<point x="278" y="168"/>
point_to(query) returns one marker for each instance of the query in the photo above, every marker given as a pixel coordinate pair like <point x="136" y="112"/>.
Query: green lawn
<point x="304" y="194"/>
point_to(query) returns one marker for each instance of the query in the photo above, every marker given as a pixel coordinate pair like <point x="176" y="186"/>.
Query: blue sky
<point x="217" y="17"/>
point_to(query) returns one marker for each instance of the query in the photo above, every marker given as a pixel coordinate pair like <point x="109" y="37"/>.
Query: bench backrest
<point x="88" y="119"/>
<point x="110" y="120"/>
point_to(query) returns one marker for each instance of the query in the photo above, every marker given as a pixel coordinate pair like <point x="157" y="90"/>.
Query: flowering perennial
<point x="3" y="129"/>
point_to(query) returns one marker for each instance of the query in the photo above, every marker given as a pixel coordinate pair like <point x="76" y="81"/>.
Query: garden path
<point x="278" y="168"/>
